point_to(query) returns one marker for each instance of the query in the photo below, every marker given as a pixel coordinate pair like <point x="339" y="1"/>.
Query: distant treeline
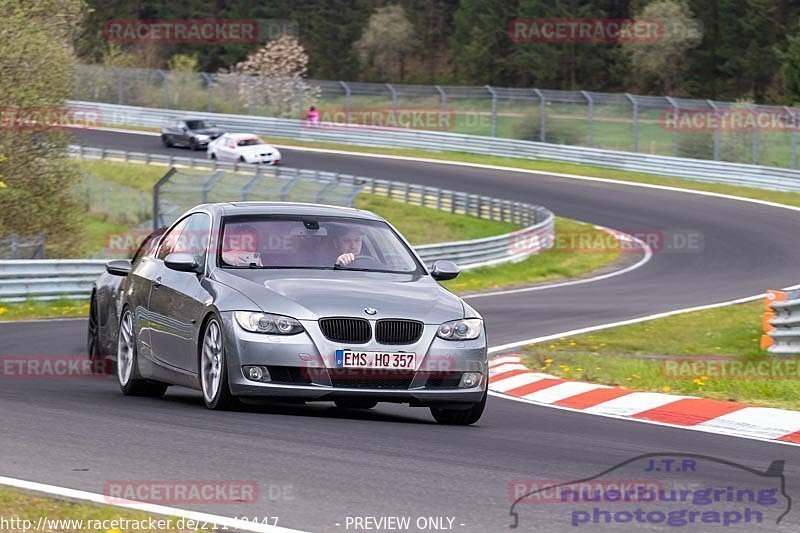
<point x="740" y="49"/>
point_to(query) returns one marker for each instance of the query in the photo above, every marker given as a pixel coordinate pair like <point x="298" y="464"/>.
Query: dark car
<point x="104" y="304"/>
<point x="191" y="133"/>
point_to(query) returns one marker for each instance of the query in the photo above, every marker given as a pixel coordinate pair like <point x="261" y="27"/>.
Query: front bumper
<point x="302" y="368"/>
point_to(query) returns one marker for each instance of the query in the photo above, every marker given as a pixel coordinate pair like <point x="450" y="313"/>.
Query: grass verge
<point x="713" y="353"/>
<point x="31" y="309"/>
<point x="26" y="509"/>
<point x="570" y="261"/>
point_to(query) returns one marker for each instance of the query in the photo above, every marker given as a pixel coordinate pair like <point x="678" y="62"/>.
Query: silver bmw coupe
<point x="297" y="302"/>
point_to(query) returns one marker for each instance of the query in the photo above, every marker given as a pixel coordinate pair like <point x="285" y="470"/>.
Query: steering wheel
<point x="365" y="261"/>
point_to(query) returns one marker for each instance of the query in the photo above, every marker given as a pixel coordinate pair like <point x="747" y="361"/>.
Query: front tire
<point x="213" y="368"/>
<point x="126" y="362"/>
<point x="193" y="144"/>
<point x="460" y="417"/>
<point x="166" y="141"/>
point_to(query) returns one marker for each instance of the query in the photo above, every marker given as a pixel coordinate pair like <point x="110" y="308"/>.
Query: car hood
<point x="256" y="149"/>
<point x="313" y="294"/>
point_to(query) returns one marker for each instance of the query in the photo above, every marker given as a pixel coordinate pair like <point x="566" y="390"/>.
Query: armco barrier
<point x="695" y="169"/>
<point x="784" y="333"/>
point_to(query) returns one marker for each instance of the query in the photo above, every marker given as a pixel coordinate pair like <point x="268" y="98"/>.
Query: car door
<point x="177" y="300"/>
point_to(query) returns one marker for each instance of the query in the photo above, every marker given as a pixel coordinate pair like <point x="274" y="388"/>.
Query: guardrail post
<point x="590" y="101"/>
<point x="347" y="100"/>
<point x="635" y="105"/>
<point x="676" y="110"/>
<point x="543" y="115"/>
<point x="494" y="109"/>
<point x="394" y="97"/>
<point x="716" y="128"/>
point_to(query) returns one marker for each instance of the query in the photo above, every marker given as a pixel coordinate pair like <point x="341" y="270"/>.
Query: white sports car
<point x="243" y="148"/>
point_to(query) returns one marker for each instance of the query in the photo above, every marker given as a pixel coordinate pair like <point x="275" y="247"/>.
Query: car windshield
<point x="253" y="141"/>
<point x="313" y="243"/>
<point x="196" y="124"/>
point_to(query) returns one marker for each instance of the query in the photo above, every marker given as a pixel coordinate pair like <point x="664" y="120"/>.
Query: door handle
<point x="157" y="282"/>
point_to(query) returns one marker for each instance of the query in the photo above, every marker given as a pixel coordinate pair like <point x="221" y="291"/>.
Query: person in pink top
<point x="313" y="116"/>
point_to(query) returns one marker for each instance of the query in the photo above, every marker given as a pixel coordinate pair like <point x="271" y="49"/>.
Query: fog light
<point x="470" y="379"/>
<point x="256" y="373"/>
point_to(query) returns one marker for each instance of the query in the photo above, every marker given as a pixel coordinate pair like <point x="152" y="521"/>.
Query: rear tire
<point x="355" y="403"/>
<point x="213" y="368"/>
<point x="460" y="417"/>
<point x="127" y="369"/>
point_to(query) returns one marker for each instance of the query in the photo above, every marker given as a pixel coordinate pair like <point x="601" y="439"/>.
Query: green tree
<point x="664" y="59"/>
<point x="36" y="72"/>
<point x="386" y="42"/>
<point x="480" y="44"/>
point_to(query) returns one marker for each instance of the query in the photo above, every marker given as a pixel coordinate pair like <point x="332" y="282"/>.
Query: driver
<point x="240" y="246"/>
<point x="348" y="244"/>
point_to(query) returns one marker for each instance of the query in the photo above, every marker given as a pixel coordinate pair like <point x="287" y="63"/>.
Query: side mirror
<point x="444" y="270"/>
<point x="119" y="267"/>
<point x="183" y="262"/>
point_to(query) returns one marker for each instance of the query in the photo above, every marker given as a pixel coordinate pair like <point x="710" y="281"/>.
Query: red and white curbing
<point x="508" y="376"/>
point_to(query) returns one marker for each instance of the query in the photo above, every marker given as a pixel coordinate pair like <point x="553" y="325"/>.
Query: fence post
<point x="210" y="92"/>
<point x="494" y="109"/>
<point x="755" y="136"/>
<point x="675" y="133"/>
<point x="394" y="97"/>
<point x="347" y="97"/>
<point x="442" y="97"/>
<point x="591" y="116"/>
<point x="14" y="246"/>
<point x="299" y="87"/>
<point x="120" y="88"/>
<point x="165" y="85"/>
<point x="635" y="121"/>
<point x="543" y="117"/>
<point x="792" y="121"/>
<point x="251" y="107"/>
<point x="716" y="128"/>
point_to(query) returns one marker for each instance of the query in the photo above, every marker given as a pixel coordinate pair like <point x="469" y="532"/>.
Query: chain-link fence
<point x="703" y="129"/>
<point x="114" y="201"/>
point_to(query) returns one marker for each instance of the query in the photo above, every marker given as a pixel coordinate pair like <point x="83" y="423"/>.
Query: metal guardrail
<point x="694" y="169"/>
<point x="785" y="325"/>
<point x="442" y="199"/>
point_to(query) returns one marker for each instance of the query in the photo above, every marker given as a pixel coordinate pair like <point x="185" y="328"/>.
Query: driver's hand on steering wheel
<point x="345" y="259"/>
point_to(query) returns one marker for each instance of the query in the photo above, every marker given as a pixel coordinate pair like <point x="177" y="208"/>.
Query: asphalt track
<point x="393" y="461"/>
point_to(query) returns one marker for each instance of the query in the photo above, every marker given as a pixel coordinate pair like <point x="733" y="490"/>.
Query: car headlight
<point x="460" y="330"/>
<point x="268" y="323"/>
<point x="201" y="137"/>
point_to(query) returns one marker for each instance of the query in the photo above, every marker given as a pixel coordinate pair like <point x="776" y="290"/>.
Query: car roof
<point x="242" y="136"/>
<point x="291" y="208"/>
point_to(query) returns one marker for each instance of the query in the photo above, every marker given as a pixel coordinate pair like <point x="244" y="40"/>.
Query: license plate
<point x="383" y="360"/>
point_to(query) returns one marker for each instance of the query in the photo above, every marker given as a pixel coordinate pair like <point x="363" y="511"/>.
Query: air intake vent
<point x="348" y="330"/>
<point x="398" y="331"/>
